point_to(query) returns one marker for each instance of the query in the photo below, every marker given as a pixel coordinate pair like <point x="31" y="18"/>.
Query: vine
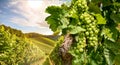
<point x="91" y="31"/>
<point x="15" y="50"/>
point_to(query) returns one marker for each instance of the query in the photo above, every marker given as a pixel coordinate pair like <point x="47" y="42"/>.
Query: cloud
<point x="30" y="16"/>
<point x="27" y="16"/>
<point x="20" y="21"/>
<point x="43" y="30"/>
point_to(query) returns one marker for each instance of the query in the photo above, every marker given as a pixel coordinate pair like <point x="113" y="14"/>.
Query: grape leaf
<point x="116" y="4"/>
<point x="73" y="16"/>
<point x="108" y="34"/>
<point x="57" y="19"/>
<point x="94" y="8"/>
<point x="115" y="32"/>
<point x="53" y="22"/>
<point x="100" y="19"/>
<point x="106" y="3"/>
<point x="53" y="27"/>
<point x="54" y="10"/>
<point x="92" y="62"/>
<point x="75" y="29"/>
<point x="113" y="46"/>
<point x="64" y="22"/>
<point x="115" y="17"/>
<point x="117" y="59"/>
<point x="108" y="56"/>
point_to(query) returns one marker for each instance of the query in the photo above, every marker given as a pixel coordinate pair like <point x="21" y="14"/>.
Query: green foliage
<point x="13" y="31"/>
<point x="92" y="24"/>
<point x="100" y="19"/>
<point x="54" y="18"/>
<point x="57" y="19"/>
<point x="12" y="48"/>
<point x="75" y="29"/>
<point x="94" y="8"/>
<point x="115" y="17"/>
<point x="16" y="50"/>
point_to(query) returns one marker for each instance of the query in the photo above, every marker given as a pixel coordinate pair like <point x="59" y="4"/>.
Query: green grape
<point x="96" y="43"/>
<point x="87" y="18"/>
<point x="90" y="29"/>
<point x="78" y="46"/>
<point x="81" y="17"/>
<point x="96" y="31"/>
<point x="92" y="18"/>
<point x="75" y="48"/>
<point x="91" y="32"/>
<point x="87" y="26"/>
<point x="87" y="33"/>
<point x="90" y="25"/>
<point x="93" y="23"/>
<point x="82" y="46"/>
<point x="82" y="5"/>
<point x="94" y="38"/>
<point x="88" y="21"/>
<point x="81" y="50"/>
<point x="77" y="51"/>
<point x="90" y="38"/>
<point x="92" y="44"/>
<point x="80" y="41"/>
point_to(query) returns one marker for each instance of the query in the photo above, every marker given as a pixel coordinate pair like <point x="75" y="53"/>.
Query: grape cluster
<point x="90" y="24"/>
<point x="90" y="36"/>
<point x="81" y="5"/>
<point x="81" y="44"/>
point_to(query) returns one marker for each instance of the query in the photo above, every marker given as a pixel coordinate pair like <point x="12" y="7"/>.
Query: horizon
<point x="28" y="15"/>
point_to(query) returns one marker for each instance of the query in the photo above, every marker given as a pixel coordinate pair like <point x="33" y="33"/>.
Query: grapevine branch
<point x="66" y="57"/>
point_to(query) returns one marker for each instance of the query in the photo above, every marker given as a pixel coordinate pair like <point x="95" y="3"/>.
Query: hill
<point x="13" y="31"/>
<point x="37" y="41"/>
<point x="53" y="37"/>
<point x="41" y="38"/>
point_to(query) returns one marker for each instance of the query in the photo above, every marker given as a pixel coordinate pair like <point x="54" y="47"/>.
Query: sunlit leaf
<point x="76" y="29"/>
<point x="108" y="34"/>
<point x="100" y="19"/>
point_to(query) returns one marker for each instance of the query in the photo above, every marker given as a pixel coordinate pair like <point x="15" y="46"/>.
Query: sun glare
<point x="34" y="4"/>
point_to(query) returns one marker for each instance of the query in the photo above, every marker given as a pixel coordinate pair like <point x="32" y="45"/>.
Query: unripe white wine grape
<point x="81" y="50"/>
<point x="89" y="37"/>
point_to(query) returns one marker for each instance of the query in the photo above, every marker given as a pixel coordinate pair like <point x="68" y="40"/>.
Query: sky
<point x="27" y="15"/>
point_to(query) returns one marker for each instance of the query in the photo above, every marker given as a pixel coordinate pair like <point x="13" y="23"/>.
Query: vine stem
<point x="63" y="50"/>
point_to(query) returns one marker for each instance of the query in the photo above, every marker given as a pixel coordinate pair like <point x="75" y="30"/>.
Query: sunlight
<point x="35" y="4"/>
